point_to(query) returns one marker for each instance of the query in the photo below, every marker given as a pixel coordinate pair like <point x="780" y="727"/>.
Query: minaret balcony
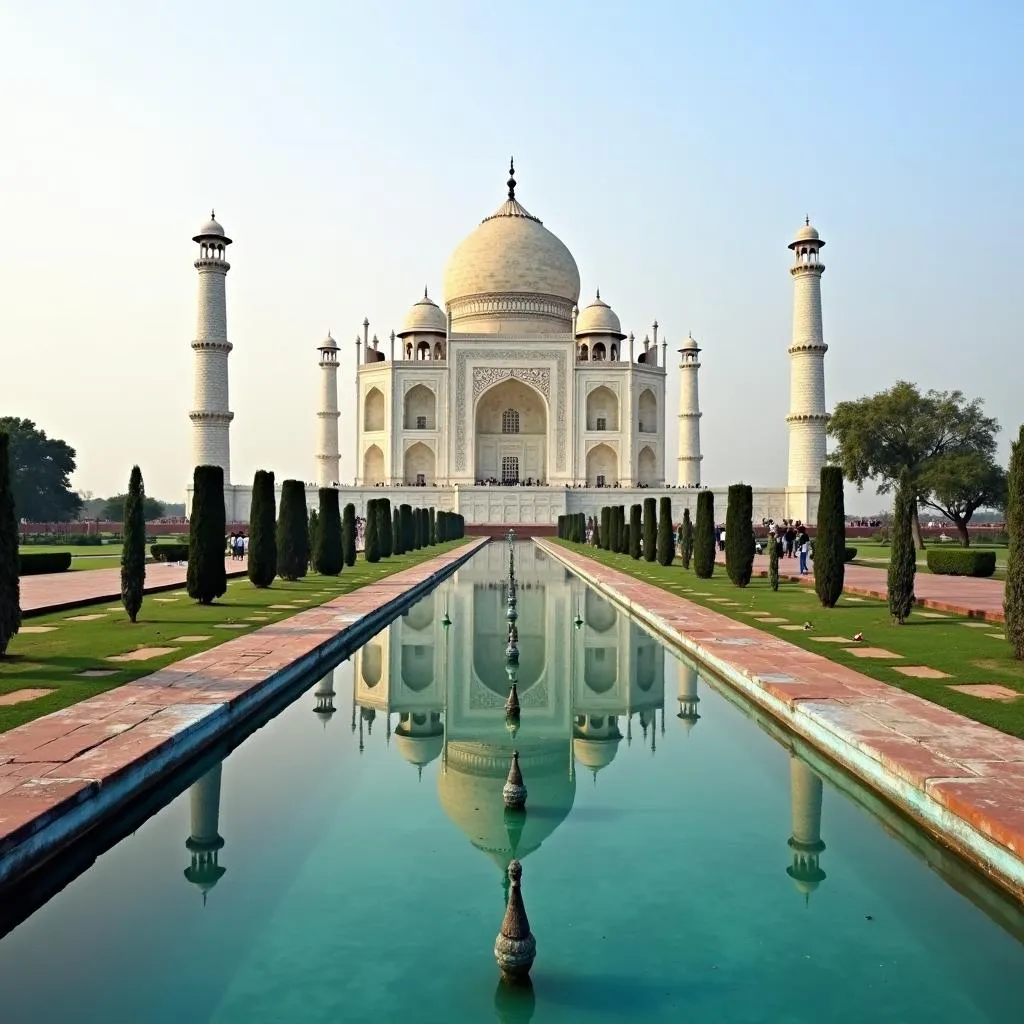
<point x="808" y="417"/>
<point x="207" y="416"/>
<point x="211" y="345"/>
<point x="213" y="264"/>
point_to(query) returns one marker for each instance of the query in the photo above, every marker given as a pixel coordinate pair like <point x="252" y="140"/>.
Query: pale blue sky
<point x="674" y="147"/>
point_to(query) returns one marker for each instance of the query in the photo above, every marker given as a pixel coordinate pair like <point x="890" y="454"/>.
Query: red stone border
<point x="62" y="774"/>
<point x="960" y="780"/>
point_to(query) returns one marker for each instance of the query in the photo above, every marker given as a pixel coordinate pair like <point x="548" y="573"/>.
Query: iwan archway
<point x="511" y="435"/>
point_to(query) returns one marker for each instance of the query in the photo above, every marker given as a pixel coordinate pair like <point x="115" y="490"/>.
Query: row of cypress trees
<point x="573" y="527"/>
<point x="648" y="533"/>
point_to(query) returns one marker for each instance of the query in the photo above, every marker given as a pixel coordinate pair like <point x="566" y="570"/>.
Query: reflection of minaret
<point x="688" y="699"/>
<point x="324" y="694"/>
<point x="595" y="741"/>
<point x="806" y="844"/>
<point x="204" y="842"/>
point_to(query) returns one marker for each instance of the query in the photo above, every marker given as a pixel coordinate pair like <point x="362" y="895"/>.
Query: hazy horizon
<point x="674" y="148"/>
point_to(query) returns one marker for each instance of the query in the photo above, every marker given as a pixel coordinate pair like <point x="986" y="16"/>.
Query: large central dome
<point x="512" y="276"/>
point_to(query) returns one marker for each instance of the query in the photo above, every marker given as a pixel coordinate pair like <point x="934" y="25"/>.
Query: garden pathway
<point x="961" y="779"/>
<point x="64" y="772"/>
<point x="55" y="591"/>
<point x="961" y="595"/>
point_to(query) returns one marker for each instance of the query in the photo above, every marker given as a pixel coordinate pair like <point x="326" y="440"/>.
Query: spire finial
<point x="511" y="178"/>
<point x="515" y="948"/>
<point x="807" y="219"/>
<point x="598" y="294"/>
<point x="424" y="291"/>
<point x="213" y="216"/>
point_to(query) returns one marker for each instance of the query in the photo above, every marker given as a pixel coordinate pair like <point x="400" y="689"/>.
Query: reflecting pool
<point x="682" y="860"/>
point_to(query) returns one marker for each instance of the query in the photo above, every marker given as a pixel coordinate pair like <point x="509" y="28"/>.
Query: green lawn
<point x="54" y="659"/>
<point x="106" y="550"/>
<point x="968" y="650"/>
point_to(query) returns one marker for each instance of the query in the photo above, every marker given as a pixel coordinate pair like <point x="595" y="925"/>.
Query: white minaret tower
<point x="328" y="458"/>
<point x="805" y="795"/>
<point x="204" y="841"/>
<point x="211" y="418"/>
<point x="807" y="417"/>
<point x="689" y="415"/>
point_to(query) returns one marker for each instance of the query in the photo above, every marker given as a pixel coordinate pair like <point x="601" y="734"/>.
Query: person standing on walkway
<point x="803" y="542"/>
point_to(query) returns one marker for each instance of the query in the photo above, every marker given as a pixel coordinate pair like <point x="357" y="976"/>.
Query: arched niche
<point x="420" y="412"/>
<point x="602" y="409"/>
<point x="600" y="668"/>
<point x="647" y="412"/>
<point x="421" y="614"/>
<point x="373" y="410"/>
<point x="420" y="465"/>
<point x="372" y="658"/>
<point x="602" y="466"/>
<point x="511" y="439"/>
<point x="598" y="613"/>
<point x="373" y="466"/>
<point x="646" y="467"/>
<point x="417" y="666"/>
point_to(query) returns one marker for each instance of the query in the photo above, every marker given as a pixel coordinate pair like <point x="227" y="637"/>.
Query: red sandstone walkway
<point x="100" y="749"/>
<point x="966" y="780"/>
<point x="961" y="595"/>
<point x="56" y="590"/>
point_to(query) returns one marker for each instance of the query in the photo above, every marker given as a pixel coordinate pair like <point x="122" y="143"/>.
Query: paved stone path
<point x="962" y="595"/>
<point x="102" y="749"/>
<point x="959" y="778"/>
<point x="53" y="591"/>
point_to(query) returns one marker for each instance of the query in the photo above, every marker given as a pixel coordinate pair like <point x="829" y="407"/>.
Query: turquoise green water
<point x="360" y="876"/>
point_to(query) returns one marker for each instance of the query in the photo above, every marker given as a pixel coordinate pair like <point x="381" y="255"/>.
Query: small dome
<point x="328" y="342"/>
<point x="690" y="344"/>
<point x="211" y="229"/>
<point x="595" y="754"/>
<point x="426" y="317"/>
<point x="598" y="318"/>
<point x="806" y="233"/>
<point x="419" y="750"/>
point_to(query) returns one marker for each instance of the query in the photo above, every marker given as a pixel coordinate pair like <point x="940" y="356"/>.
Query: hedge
<point x="849" y="554"/>
<point x="44" y="561"/>
<point x="169" y="552"/>
<point x="961" y="562"/>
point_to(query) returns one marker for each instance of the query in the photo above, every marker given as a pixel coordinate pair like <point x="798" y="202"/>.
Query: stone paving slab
<point x="961" y="780"/>
<point x="53" y="591"/>
<point x="960" y="595"/>
<point x="106" y="748"/>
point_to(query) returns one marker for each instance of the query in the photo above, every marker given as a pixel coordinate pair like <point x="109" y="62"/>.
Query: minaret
<point x="689" y="459"/>
<point x="807" y="417"/>
<point x="324" y="694"/>
<point x="806" y="844"/>
<point x="328" y="458"/>
<point x="688" y="697"/>
<point x="211" y="418"/>
<point x="204" y="843"/>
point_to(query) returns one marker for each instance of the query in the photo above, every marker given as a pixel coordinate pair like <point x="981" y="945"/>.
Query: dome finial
<point x="424" y="291"/>
<point x="213" y="216"/>
<point x="807" y="219"/>
<point x="511" y="178"/>
<point x="598" y="294"/>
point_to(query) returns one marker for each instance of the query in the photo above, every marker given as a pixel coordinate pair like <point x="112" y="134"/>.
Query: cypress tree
<point x="581" y="528"/>
<point x="371" y="543"/>
<point x="433" y="525"/>
<point x="293" y="531"/>
<point x="313" y="533"/>
<point x="595" y="538"/>
<point x="830" y="542"/>
<point x="10" y="588"/>
<point x="1013" y="600"/>
<point x="348" y="534"/>
<point x="739" y="534"/>
<point x="635" y="516"/>
<point x="441" y="526"/>
<point x="396" y="532"/>
<point x="686" y="538"/>
<point x="262" y="554"/>
<point x="560" y="529"/>
<point x="704" y="536"/>
<point x="650" y="529"/>
<point x="773" y="562"/>
<point x="902" y="556"/>
<point x="407" y="532"/>
<point x="207" y="529"/>
<point x="384" y="537"/>
<point x="133" y="549"/>
<point x="328" y="554"/>
<point x="620" y="513"/>
<point x="666" y="548"/>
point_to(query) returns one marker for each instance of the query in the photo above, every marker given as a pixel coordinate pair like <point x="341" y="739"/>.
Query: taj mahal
<point x="511" y="403"/>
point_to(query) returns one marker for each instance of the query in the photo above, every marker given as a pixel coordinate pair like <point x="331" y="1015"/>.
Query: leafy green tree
<point x="830" y="542"/>
<point x="1013" y="599"/>
<point x="371" y="542"/>
<point x="704" y="536"/>
<point x="900" y="429"/>
<point x="293" y="531"/>
<point x="650" y="529"/>
<point x="384" y="537"/>
<point x="902" y="557"/>
<point x="686" y="538"/>
<point x="666" y="533"/>
<point x="773" y="562"/>
<point x="328" y="556"/>
<point x="10" y="589"/>
<point x="636" y="529"/>
<point x="739" y="534"/>
<point x="113" y="509"/>
<point x="207" y="531"/>
<point x="262" y="555"/>
<point x="133" y="548"/>
<point x="962" y="484"/>
<point x="40" y="471"/>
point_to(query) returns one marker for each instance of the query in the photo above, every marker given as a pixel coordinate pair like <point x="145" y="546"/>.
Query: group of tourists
<point x="237" y="545"/>
<point x="793" y="540"/>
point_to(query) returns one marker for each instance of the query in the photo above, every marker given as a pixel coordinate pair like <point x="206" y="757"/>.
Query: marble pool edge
<point x="995" y="860"/>
<point x="60" y="825"/>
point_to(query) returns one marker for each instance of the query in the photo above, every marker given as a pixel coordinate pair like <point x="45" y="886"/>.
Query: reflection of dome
<point x="426" y="317"/>
<point x="470" y="791"/>
<point x="598" y="318"/>
<point x="512" y="254"/>
<point x="419" y="750"/>
<point x="595" y="754"/>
